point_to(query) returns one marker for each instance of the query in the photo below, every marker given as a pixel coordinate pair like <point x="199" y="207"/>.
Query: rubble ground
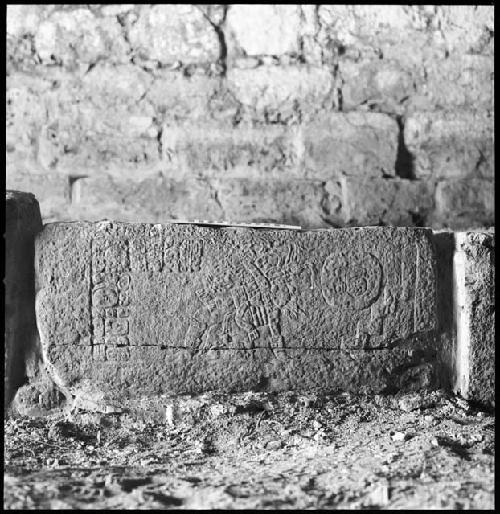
<point x="258" y="450"/>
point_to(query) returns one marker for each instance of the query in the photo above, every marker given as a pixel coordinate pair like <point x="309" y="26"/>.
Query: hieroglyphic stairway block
<point x="134" y="309"/>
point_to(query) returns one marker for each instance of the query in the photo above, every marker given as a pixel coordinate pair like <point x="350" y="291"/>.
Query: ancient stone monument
<point x="127" y="309"/>
<point x="132" y="311"/>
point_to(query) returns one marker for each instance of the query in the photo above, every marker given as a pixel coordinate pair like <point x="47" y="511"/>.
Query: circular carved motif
<point x="351" y="281"/>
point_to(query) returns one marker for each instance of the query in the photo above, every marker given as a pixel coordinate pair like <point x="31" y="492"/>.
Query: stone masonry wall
<point x="321" y="116"/>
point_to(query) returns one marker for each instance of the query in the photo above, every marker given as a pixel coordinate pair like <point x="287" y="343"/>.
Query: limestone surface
<point x="126" y="310"/>
<point x="23" y="222"/>
<point x="138" y="97"/>
<point x="476" y="316"/>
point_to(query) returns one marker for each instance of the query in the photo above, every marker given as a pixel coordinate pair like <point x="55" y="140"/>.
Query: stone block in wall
<point x="467" y="29"/>
<point x="152" y="198"/>
<point x="372" y="201"/>
<point x="77" y="37"/>
<point x="282" y="94"/>
<point x="157" y="199"/>
<point x="393" y="30"/>
<point x="295" y="202"/>
<point x="398" y="33"/>
<point x="354" y="143"/>
<point x="379" y="84"/>
<point x="98" y="152"/>
<point x="351" y="23"/>
<point x="25" y="112"/>
<point x="258" y="30"/>
<point x="216" y="150"/>
<point x="172" y="33"/>
<point x="132" y="310"/>
<point x="117" y="86"/>
<point x="475" y="297"/>
<point x="176" y="98"/>
<point x="100" y="121"/>
<point x="22" y="223"/>
<point x="458" y="81"/>
<point x="462" y="203"/>
<point x="451" y="144"/>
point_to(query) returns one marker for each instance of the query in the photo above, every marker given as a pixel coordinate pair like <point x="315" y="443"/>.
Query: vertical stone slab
<point x="22" y="223"/>
<point x="474" y="265"/>
<point x="126" y="310"/>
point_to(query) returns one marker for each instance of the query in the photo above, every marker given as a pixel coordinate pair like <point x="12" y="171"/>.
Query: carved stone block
<point x="23" y="222"/>
<point x="137" y="309"/>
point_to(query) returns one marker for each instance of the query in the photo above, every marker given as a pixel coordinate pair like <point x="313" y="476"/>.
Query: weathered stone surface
<point x="459" y="81"/>
<point x="281" y="93"/>
<point x="374" y="83"/>
<point x="451" y="144"/>
<point x="461" y="203"/>
<point x="475" y="298"/>
<point x="99" y="90"/>
<point x="351" y="143"/>
<point x="263" y="29"/>
<point x="296" y="202"/>
<point x="307" y="203"/>
<point x="468" y="28"/>
<point x="151" y="200"/>
<point x="211" y="150"/>
<point x="134" y="309"/>
<point x="172" y="33"/>
<point x="24" y="112"/>
<point x="423" y="28"/>
<point x="72" y="38"/>
<point x="372" y="201"/>
<point x="180" y="98"/>
<point x="23" y="222"/>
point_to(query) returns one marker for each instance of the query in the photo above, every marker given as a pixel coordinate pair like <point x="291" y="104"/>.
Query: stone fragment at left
<point x="22" y="223"/>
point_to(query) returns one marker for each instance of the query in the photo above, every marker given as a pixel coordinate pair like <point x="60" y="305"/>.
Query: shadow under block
<point x="22" y="223"/>
<point x="130" y="310"/>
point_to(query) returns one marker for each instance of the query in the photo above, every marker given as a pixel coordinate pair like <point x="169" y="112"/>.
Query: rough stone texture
<point x="476" y="316"/>
<point x="460" y="199"/>
<point x="126" y="310"/>
<point x="212" y="150"/>
<point x="451" y="144"/>
<point x="459" y="81"/>
<point x="351" y="144"/>
<point x="172" y="33"/>
<point x="373" y="201"/>
<point x="256" y="30"/>
<point x="23" y="222"/>
<point x="281" y="94"/>
<point x="76" y="37"/>
<point x="113" y="91"/>
<point x="378" y="85"/>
